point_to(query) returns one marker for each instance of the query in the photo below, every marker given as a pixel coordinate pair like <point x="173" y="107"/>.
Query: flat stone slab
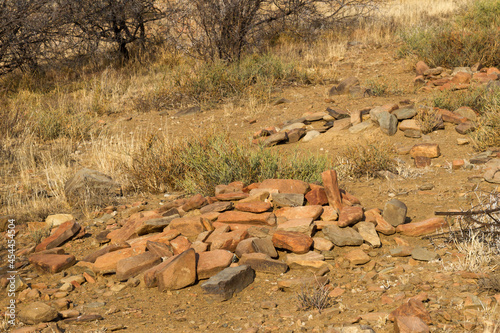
<point x="287" y="199"/>
<point x="261" y="262"/>
<point x="52" y="263"/>
<point x="64" y="232"/>
<point x="342" y="236"/>
<point x="229" y="282"/>
<point x="212" y="262"/>
<point x="180" y="272"/>
<point x="130" y="267"/>
<point x="37" y="312"/>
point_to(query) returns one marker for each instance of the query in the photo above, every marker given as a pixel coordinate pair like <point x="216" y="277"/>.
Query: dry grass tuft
<point x="428" y="119"/>
<point x="198" y="165"/>
<point x="365" y="161"/>
<point x="316" y="297"/>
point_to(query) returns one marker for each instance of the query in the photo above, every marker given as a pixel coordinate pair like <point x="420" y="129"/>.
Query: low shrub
<point x="198" y="165"/>
<point x="470" y="38"/>
<point x="365" y="161"/>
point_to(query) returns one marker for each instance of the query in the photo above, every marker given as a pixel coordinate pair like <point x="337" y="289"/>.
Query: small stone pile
<point x="221" y="241"/>
<point x="459" y="78"/>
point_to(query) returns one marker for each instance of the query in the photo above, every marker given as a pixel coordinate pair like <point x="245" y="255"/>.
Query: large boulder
<point x="90" y="187"/>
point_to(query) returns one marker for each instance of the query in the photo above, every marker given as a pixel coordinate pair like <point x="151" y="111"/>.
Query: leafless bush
<point x="222" y="29"/>
<point x="28" y="32"/>
<point x="314" y="297"/>
<point x="34" y="32"/>
<point x="117" y="22"/>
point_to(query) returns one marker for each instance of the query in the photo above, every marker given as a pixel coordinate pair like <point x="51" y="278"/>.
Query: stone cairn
<point x="271" y="227"/>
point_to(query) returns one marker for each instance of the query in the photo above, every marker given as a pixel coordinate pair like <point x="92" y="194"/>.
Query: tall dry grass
<point x="50" y="125"/>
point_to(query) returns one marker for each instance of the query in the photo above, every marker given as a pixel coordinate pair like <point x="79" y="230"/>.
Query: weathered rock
<point x="344" y="86"/>
<point x="465" y="127"/>
<point x="329" y="214"/>
<point x="350" y="216"/>
<point x="261" y="262"/>
<point x="246" y="218"/>
<point x="180" y="244"/>
<point x="292" y="241"/>
<point x="296" y="134"/>
<point x="52" y="263"/>
<point x="332" y="190"/>
<point x="179" y="273"/>
<point x="388" y="123"/>
<point x="341" y="124"/>
<point x="133" y="226"/>
<point x="91" y="187"/>
<point x="415" y="134"/>
<point x="395" y="212"/>
<point x="406" y="324"/>
<point x="405" y="113"/>
<point x="322" y="244"/>
<point x="188" y="226"/>
<point x="401" y="251"/>
<point x="466" y="112"/>
<point x="212" y="262"/>
<point x="317" y="196"/>
<point x="292" y="258"/>
<point x="130" y="267"/>
<point x="229" y="281"/>
<point x="412" y="308"/>
<point x="227" y="241"/>
<point x="265" y="245"/>
<point x="275" y="139"/>
<point x="409" y="124"/>
<point x="430" y="150"/>
<point x="383" y="226"/>
<point x="102" y="251"/>
<point x="256" y="245"/>
<point x="304" y="225"/>
<point x="342" y="236"/>
<point x="287" y="199"/>
<point x="63" y="233"/>
<point x="492" y="174"/>
<point x="422" y="161"/>
<point x="368" y="232"/>
<point x="311" y="261"/>
<point x="291" y="213"/>
<point x="154" y="225"/>
<point x="310" y="135"/>
<point x="253" y="207"/>
<point x="358" y="128"/>
<point x="231" y="196"/>
<point x="106" y="263"/>
<point x="37" y="312"/>
<point x="195" y="202"/>
<point x="422" y="228"/>
<point x="286" y="185"/>
<point x="162" y="250"/>
<point x="422" y="254"/>
<point x="357" y="257"/>
<point x="218" y="206"/>
<point x="58" y="219"/>
<point x="421" y="67"/>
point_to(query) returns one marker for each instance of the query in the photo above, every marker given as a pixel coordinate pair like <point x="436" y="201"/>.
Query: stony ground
<point x="365" y="283"/>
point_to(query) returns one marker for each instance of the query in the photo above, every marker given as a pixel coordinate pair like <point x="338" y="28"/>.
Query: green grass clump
<point x="470" y="38"/>
<point x="216" y="82"/>
<point x="474" y="97"/>
<point x="200" y="164"/>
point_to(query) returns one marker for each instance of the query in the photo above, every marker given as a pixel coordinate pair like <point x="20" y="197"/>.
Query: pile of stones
<point x="270" y="227"/>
